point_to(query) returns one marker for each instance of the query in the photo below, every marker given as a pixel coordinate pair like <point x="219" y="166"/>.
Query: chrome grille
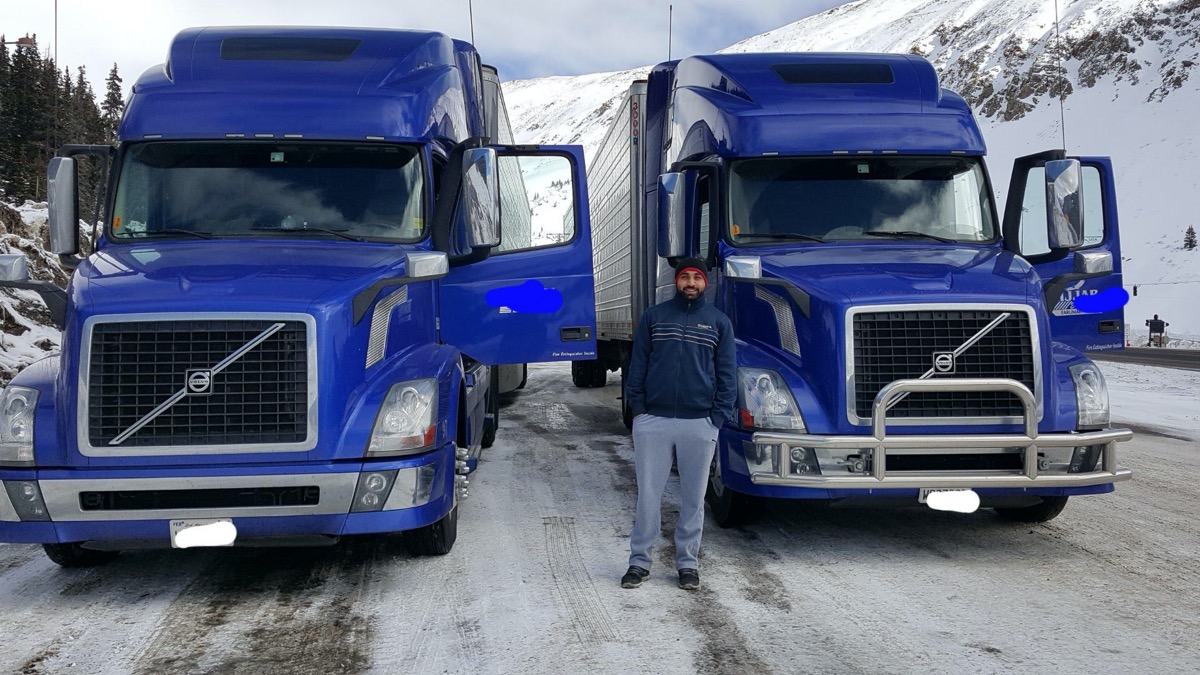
<point x="900" y="344"/>
<point x="260" y="398"/>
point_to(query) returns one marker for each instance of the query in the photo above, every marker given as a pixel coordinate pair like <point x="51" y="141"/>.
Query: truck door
<point x="532" y="298"/>
<point x="1083" y="285"/>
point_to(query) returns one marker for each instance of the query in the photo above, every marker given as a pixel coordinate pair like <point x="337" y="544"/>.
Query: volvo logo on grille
<point x="943" y="362"/>
<point x="199" y="381"/>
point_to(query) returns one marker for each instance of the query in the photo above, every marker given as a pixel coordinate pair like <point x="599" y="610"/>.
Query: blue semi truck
<point x="896" y="336"/>
<point x="311" y="258"/>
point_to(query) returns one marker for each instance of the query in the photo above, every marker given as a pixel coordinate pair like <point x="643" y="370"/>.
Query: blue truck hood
<point x="224" y="275"/>
<point x="845" y="275"/>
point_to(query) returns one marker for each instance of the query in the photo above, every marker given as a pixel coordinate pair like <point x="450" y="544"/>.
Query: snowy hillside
<point x="1131" y="90"/>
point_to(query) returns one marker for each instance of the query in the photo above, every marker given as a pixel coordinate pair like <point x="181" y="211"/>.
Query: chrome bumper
<point x="880" y="444"/>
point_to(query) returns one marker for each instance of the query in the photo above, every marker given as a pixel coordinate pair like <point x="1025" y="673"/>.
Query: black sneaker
<point x="634" y="577"/>
<point x="689" y="580"/>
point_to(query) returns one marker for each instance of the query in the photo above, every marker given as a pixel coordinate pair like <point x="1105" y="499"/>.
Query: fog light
<point x="372" y="491"/>
<point x="804" y="461"/>
<point x="1084" y="459"/>
<point x="26" y="498"/>
<point x="375" y="482"/>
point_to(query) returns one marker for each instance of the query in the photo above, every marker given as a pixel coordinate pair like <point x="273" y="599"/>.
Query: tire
<point x="589" y="374"/>
<point x="492" y="423"/>
<point x="1038" y="513"/>
<point x="729" y="508"/>
<point x="524" y="376"/>
<point x="74" y="555"/>
<point x="435" y="538"/>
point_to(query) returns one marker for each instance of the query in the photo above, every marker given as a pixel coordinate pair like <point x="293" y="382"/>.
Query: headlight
<point x="17" y="407"/>
<point x="407" y="421"/>
<point x="1091" y="395"/>
<point x="765" y="402"/>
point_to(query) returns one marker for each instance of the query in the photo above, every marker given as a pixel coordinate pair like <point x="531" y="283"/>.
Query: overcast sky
<point x="523" y="38"/>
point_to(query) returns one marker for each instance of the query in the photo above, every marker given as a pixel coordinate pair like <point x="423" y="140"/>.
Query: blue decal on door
<point x="530" y="297"/>
<point x="1104" y="301"/>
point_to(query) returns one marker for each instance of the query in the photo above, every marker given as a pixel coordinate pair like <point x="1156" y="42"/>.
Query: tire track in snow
<point x="282" y="610"/>
<point x="573" y="585"/>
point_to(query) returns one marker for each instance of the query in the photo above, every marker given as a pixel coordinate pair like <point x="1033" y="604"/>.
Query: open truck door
<point x="1061" y="216"/>
<point x="527" y="295"/>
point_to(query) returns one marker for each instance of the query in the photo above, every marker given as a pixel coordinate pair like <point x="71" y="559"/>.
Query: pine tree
<point x="113" y="106"/>
<point x="1189" y="238"/>
<point x="29" y="114"/>
<point x="6" y="159"/>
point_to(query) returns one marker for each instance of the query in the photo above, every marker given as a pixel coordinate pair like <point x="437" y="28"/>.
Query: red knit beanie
<point x="694" y="264"/>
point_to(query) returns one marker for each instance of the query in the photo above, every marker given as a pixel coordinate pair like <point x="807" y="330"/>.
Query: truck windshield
<point x="859" y="199"/>
<point x="270" y="189"/>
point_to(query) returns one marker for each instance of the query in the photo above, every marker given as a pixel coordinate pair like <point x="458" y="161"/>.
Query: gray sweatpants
<point x="655" y="440"/>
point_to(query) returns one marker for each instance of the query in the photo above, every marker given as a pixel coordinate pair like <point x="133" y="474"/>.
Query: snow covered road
<point x="1111" y="585"/>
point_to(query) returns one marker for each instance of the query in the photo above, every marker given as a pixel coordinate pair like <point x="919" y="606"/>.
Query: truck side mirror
<point x="1064" y="204"/>
<point x="63" y="206"/>
<point x="672" y="215"/>
<point x="477" y="225"/>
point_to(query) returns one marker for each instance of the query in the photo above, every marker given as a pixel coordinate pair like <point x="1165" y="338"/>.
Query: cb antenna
<point x="1062" y="84"/>
<point x="670" y="18"/>
<point x="471" y="17"/>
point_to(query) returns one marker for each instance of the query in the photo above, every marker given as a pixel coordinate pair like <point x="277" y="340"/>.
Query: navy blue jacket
<point x="684" y="363"/>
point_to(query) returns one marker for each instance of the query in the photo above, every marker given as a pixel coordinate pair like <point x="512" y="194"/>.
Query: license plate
<point x="202" y="532"/>
<point x="949" y="499"/>
<point x="923" y="496"/>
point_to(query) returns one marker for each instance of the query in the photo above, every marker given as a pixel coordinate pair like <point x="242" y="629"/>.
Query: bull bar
<point x="880" y="443"/>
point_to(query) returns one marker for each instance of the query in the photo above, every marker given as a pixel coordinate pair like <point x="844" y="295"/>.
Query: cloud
<point x="522" y="38"/>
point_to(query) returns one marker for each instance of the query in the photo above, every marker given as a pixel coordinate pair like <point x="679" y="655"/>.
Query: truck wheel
<point x="1038" y="513"/>
<point x="74" y="555"/>
<point x="435" y="538"/>
<point x="729" y="508"/>
<point x="524" y="376"/>
<point x="589" y="374"/>
<point x="491" y="424"/>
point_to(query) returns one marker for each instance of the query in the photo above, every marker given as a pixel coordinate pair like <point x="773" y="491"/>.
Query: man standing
<point x="680" y="387"/>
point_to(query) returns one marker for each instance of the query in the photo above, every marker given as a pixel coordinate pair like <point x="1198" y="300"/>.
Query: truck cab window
<point x="536" y="202"/>
<point x="859" y="199"/>
<point x="238" y="189"/>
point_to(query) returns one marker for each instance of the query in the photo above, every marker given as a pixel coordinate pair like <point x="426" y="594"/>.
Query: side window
<point x="1093" y="207"/>
<point x="537" y="198"/>
<point x="1033" y="211"/>
<point x="1033" y="214"/>
<point x="704" y="216"/>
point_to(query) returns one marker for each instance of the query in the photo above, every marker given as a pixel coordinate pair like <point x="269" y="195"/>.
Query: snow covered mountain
<point x="1127" y="69"/>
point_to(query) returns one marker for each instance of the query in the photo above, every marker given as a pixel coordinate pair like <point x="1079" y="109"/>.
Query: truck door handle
<point x="1110" y="326"/>
<point x="575" y="333"/>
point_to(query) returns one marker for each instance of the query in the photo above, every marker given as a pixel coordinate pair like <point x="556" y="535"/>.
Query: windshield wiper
<point x="189" y="233"/>
<point x="794" y="236"/>
<point x="336" y="233"/>
<point x="911" y="234"/>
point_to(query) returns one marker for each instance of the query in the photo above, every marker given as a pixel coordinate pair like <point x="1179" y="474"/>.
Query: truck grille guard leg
<point x="894" y="392"/>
